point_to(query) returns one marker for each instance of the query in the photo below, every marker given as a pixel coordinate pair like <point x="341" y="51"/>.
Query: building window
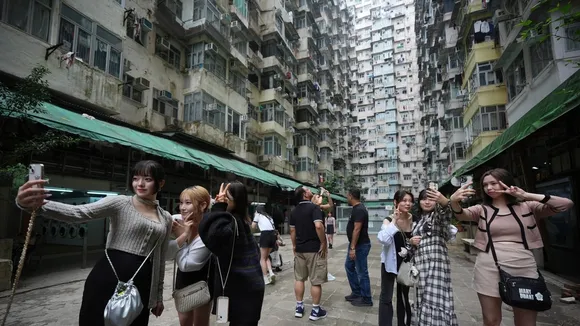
<point x="167" y="51"/>
<point x="129" y="91"/>
<point x="489" y="118"/>
<point x="273" y="112"/>
<point x="457" y="152"/>
<point x="483" y="75"/>
<point x="215" y="64"/>
<point x="541" y="55"/>
<point x="272" y="146"/>
<point x="131" y="27"/>
<point x="304" y="164"/>
<point x="165" y="107"/>
<point x="238" y="83"/>
<point x="30" y="16"/>
<point x="201" y="106"/>
<point x="407" y="177"/>
<point x="406" y="165"/>
<point x="515" y="76"/>
<point x="234" y="123"/>
<point x="572" y="38"/>
<point x="108" y="52"/>
<point x="77" y="36"/>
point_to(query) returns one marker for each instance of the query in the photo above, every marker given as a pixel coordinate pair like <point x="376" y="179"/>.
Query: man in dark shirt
<point x="309" y="242"/>
<point x="356" y="265"/>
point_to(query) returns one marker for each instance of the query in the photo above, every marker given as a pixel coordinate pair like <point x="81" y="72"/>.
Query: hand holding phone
<point x="31" y="194"/>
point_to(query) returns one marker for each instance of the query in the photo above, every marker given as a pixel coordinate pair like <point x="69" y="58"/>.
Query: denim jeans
<point x="358" y="273"/>
<point x="386" y="298"/>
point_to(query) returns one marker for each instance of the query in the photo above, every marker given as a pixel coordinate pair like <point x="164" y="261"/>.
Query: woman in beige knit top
<point x="510" y="215"/>
<point x="138" y="226"/>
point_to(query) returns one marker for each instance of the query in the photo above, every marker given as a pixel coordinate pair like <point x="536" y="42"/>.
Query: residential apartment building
<point x="385" y="116"/>
<point x="481" y="76"/>
<point x="263" y="79"/>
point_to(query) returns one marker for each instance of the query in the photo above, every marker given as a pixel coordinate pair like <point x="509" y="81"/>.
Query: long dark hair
<point x="261" y="209"/>
<point x="240" y="196"/>
<point x="148" y="168"/>
<point x="502" y="175"/>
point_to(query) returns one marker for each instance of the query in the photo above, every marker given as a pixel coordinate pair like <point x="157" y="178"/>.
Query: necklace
<point x="147" y="202"/>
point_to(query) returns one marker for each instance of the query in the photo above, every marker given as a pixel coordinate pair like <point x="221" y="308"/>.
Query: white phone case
<point x="221" y="311"/>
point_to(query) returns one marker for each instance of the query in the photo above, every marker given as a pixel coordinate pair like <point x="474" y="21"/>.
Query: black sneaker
<point x="360" y="302"/>
<point x="330" y="246"/>
<point x="351" y="297"/>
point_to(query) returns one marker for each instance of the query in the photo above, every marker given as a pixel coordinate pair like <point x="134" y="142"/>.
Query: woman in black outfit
<point x="245" y="285"/>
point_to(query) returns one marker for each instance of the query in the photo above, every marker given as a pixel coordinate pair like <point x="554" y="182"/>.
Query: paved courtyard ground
<point x="54" y="298"/>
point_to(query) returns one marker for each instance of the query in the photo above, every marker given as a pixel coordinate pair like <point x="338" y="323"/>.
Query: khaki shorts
<point x="309" y="265"/>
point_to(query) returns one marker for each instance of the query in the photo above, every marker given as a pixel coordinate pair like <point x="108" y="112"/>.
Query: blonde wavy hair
<point x="197" y="195"/>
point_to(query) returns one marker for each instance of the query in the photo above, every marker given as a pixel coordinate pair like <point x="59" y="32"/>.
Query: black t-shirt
<point x="359" y="214"/>
<point x="302" y="220"/>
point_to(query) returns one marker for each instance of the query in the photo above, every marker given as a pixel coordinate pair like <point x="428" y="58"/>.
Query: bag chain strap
<point x="224" y="282"/>
<point x="20" y="264"/>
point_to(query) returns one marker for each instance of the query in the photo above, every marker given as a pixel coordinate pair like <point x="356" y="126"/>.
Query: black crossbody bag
<point x="521" y="292"/>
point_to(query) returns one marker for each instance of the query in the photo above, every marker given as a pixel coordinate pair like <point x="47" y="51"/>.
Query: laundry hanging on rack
<point x="137" y="29"/>
<point x="69" y="58"/>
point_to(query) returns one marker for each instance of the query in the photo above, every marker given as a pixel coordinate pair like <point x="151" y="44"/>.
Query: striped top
<point x="129" y="231"/>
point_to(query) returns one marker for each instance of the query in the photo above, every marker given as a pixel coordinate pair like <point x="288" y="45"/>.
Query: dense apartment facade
<point x="480" y="75"/>
<point x="262" y="79"/>
<point x="386" y="146"/>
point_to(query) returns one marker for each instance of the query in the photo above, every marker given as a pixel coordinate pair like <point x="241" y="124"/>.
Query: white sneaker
<point x="267" y="279"/>
<point x="331" y="277"/>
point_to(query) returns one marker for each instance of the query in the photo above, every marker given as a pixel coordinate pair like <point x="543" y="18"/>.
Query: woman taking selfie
<point x="190" y="254"/>
<point x="434" y="293"/>
<point x="510" y="216"/>
<point x="238" y="274"/>
<point x="398" y="244"/>
<point x="139" y="229"/>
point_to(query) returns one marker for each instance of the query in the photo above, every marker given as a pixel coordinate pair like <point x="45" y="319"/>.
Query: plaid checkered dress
<point x="434" y="293"/>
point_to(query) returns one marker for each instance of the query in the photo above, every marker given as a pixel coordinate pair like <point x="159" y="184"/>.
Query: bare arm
<point x="355" y="234"/>
<point x="293" y="237"/>
<point x="320" y="232"/>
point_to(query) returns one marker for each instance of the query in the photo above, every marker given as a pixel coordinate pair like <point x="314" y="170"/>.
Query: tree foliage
<point x="560" y="23"/>
<point x="25" y="98"/>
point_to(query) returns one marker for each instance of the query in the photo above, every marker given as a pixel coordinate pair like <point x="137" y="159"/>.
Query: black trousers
<point x="403" y="306"/>
<point x="386" y="297"/>
<point x="101" y="283"/>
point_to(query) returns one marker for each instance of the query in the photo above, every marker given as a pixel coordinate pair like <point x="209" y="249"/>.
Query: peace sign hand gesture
<point x="514" y="191"/>
<point x="463" y="193"/>
<point x="222" y="196"/>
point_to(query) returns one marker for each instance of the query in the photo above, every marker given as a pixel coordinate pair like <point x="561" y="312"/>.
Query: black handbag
<point x="521" y="292"/>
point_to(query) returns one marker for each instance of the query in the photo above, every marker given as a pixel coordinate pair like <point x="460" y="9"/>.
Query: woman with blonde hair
<point x="190" y="254"/>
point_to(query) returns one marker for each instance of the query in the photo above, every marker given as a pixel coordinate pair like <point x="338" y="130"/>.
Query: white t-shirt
<point x="265" y="223"/>
<point x="190" y="257"/>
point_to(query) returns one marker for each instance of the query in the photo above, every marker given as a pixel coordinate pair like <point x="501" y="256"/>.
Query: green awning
<point x="559" y="102"/>
<point x="61" y="119"/>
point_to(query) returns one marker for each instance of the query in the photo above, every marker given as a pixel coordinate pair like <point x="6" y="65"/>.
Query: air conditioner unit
<point x="162" y="43"/>
<point x="146" y="25"/>
<point x="499" y="16"/>
<point x="211" y="47"/>
<point x="164" y="96"/>
<point x="236" y="26"/>
<point x="211" y="107"/>
<point x="141" y="84"/>
<point x="289" y="146"/>
<point x="244" y="118"/>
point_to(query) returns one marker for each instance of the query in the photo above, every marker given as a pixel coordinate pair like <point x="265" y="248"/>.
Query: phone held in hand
<point x="36" y="172"/>
<point x="433" y="186"/>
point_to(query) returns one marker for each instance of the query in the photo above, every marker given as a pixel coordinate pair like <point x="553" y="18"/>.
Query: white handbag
<point x="408" y="274"/>
<point x="192" y="296"/>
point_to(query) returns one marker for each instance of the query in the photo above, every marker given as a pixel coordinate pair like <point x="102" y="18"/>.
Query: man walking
<point x="356" y="265"/>
<point x="309" y="243"/>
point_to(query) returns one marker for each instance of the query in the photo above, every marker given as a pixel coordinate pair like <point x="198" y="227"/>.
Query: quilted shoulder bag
<point x="192" y="296"/>
<point x="521" y="292"/>
<point x="125" y="305"/>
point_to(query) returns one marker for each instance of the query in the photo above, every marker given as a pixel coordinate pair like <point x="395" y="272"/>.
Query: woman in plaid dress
<point x="434" y="306"/>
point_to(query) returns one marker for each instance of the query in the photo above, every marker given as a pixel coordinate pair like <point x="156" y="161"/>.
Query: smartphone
<point x="433" y="186"/>
<point x="36" y="172"/>
<point x="222" y="309"/>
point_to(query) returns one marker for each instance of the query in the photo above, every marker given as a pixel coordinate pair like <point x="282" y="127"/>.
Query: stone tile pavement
<point x="54" y="298"/>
